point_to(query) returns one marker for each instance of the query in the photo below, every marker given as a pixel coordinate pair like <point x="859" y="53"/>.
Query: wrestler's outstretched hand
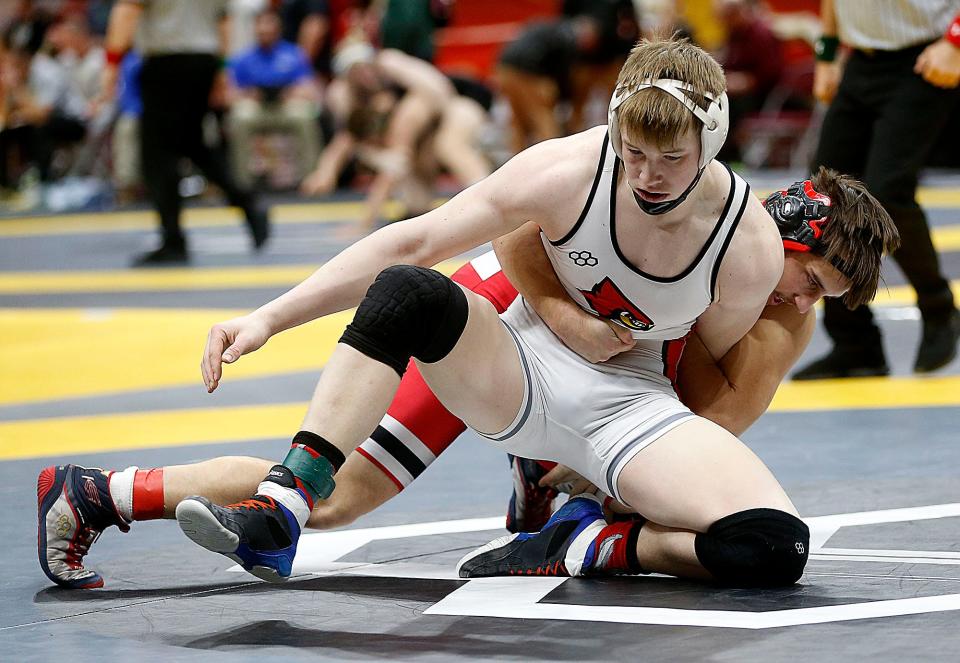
<point x="596" y="339"/>
<point x="227" y="342"/>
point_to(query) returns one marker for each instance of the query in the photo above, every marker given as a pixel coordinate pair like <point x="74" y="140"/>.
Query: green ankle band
<point x="316" y="472"/>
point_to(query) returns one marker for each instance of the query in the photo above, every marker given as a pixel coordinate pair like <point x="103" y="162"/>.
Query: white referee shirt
<point x="890" y="25"/>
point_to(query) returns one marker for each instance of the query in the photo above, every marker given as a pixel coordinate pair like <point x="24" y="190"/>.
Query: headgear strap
<point x="800" y="213"/>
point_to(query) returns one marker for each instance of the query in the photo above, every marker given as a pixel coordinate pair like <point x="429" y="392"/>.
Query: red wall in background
<point x="479" y="30"/>
<point x="812" y="6"/>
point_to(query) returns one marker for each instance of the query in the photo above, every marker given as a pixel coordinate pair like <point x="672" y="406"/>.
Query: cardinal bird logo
<point x="606" y="299"/>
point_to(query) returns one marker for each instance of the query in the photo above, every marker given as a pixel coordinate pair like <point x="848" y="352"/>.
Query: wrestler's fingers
<point x="212" y="358"/>
<point x="558" y="475"/>
<point x="624" y="335"/>
<point x="580" y="486"/>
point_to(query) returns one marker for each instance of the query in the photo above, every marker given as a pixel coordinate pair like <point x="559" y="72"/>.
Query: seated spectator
<point x="752" y="60"/>
<point x="41" y="111"/>
<point x="307" y="23"/>
<point x="275" y="91"/>
<point x="404" y="119"/>
<point x="82" y="57"/>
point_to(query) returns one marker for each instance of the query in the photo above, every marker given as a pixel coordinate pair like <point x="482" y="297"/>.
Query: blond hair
<point x="652" y="114"/>
<point x="858" y="233"/>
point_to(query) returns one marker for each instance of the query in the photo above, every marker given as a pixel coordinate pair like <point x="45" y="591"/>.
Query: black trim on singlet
<point x="703" y="251"/>
<point x="593" y="192"/>
<point x="393" y="446"/>
<point x="726" y="243"/>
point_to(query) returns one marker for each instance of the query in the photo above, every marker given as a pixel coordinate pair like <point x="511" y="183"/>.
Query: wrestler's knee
<point x="409" y="311"/>
<point x="755" y="548"/>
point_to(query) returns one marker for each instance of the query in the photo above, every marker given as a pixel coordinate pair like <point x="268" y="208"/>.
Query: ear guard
<point x="800" y="213"/>
<point x="715" y="119"/>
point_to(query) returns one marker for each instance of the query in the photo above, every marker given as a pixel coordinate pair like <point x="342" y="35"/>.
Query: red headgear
<point x="800" y="213"/>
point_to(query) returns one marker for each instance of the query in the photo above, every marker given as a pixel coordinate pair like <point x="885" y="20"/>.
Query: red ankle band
<point x="622" y="557"/>
<point x="306" y="493"/>
<point x="148" y="494"/>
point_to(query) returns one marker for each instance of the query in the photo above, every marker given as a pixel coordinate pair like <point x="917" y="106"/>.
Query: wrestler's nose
<point x="649" y="180"/>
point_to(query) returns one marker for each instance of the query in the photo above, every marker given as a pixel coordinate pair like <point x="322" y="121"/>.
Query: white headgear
<point x="351" y="53"/>
<point x="715" y="119"/>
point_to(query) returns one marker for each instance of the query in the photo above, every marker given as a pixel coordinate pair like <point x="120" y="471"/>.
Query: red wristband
<point x="953" y="32"/>
<point x="114" y="57"/>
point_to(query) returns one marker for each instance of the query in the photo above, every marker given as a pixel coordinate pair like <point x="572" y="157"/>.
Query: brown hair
<point x="652" y="114"/>
<point x="858" y="233"/>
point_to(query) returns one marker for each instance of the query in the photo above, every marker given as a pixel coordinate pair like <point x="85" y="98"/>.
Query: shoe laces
<point x="80" y="546"/>
<point x="255" y="503"/>
<point x="543" y="570"/>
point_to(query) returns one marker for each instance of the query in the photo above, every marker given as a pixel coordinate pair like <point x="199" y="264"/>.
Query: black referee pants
<point x="176" y="91"/>
<point x="881" y="127"/>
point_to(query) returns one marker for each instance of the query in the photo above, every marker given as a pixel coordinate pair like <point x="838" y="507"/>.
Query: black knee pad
<point x="408" y="312"/>
<point x="755" y="548"/>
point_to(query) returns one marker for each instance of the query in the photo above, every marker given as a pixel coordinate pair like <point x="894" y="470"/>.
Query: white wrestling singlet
<point x="596" y="417"/>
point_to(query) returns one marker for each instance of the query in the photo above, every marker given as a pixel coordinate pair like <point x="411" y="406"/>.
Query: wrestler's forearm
<point x="341" y="283"/>
<point x="528" y="268"/>
<point x="736" y="390"/>
<point x="466" y="221"/>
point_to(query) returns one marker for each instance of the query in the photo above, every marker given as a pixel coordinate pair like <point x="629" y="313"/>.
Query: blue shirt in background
<point x="280" y="66"/>
<point x="128" y="85"/>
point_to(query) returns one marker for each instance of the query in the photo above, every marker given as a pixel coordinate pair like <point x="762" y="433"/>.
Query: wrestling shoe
<point x="530" y="505"/>
<point x="260" y="534"/>
<point x="74" y="506"/>
<point x="565" y="546"/>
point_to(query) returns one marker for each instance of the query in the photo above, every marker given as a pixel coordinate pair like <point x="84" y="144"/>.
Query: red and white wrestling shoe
<point x="74" y="506"/>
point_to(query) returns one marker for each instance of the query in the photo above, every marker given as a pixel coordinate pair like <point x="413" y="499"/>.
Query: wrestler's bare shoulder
<point x="554" y="165"/>
<point x="551" y="175"/>
<point x="755" y="257"/>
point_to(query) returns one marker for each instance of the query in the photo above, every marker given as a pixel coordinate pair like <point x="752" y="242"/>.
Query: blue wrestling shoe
<point x="74" y="506"/>
<point x="260" y="533"/>
<point x="564" y="547"/>
<point x="530" y="505"/>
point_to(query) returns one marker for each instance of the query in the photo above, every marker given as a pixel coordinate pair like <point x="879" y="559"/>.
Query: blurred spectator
<point x="126" y="129"/>
<point x="80" y="54"/>
<point x="403" y="118"/>
<point x="617" y="22"/>
<point x="752" y="59"/>
<point x="243" y="14"/>
<point x="409" y="25"/>
<point x="41" y="111"/>
<point x="307" y="24"/>
<point x="27" y="28"/>
<point x="276" y="92"/>
<point x="181" y="45"/>
<point x="534" y="74"/>
<point x="664" y="17"/>
<point x="595" y="70"/>
<point x="98" y="14"/>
